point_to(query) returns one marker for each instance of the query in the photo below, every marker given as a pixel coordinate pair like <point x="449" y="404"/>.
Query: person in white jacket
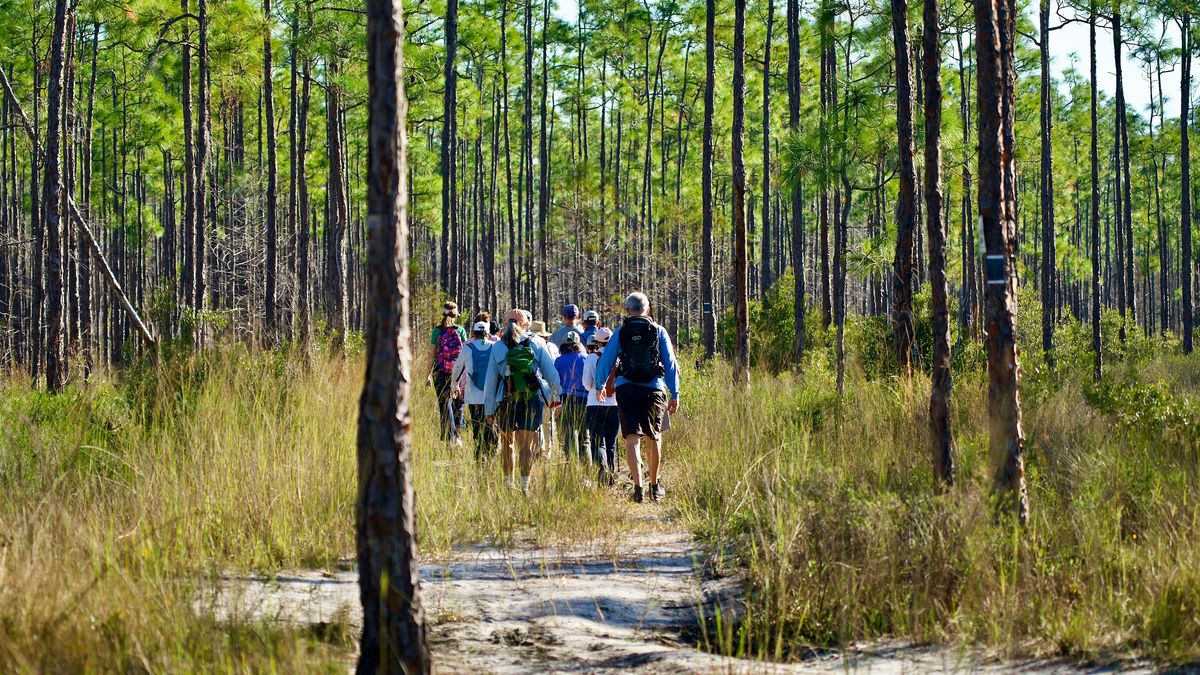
<point x="516" y="400"/>
<point x="602" y="421"/>
<point x="470" y="374"/>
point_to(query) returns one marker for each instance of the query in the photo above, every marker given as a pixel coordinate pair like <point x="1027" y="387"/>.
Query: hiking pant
<point x="573" y="427"/>
<point x="449" y="409"/>
<point x="486" y="437"/>
<point x="603" y="427"/>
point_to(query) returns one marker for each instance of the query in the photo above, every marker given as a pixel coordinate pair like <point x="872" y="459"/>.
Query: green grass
<point x="120" y="499"/>
<point x="833" y="515"/>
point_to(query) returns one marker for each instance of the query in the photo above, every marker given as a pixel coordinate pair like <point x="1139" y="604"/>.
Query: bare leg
<point x="508" y="441"/>
<point x="652" y="459"/>
<point x="631" y="456"/>
<point x="527" y="445"/>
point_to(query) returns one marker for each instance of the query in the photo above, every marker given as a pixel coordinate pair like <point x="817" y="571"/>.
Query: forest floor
<point x="638" y="604"/>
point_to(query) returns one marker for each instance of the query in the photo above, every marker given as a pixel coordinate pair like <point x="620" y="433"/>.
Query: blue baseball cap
<point x="570" y="311"/>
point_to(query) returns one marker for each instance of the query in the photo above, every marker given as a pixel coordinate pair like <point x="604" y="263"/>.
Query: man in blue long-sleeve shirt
<point x="646" y="375"/>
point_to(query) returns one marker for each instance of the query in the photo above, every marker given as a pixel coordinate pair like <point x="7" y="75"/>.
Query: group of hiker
<point x="597" y="383"/>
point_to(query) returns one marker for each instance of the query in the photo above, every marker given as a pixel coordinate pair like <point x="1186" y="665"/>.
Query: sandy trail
<point x="600" y="608"/>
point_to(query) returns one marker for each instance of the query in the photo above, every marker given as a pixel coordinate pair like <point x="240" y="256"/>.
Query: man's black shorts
<point x="641" y="410"/>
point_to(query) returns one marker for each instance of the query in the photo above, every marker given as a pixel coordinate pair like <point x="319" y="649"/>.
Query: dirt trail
<point x="580" y="608"/>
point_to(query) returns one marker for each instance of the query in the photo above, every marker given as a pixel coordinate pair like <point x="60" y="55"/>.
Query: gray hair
<point x="637" y="303"/>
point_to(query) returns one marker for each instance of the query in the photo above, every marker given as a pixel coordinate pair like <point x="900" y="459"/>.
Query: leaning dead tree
<point x="78" y="220"/>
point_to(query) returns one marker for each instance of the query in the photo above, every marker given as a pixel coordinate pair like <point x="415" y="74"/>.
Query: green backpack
<point x="522" y="382"/>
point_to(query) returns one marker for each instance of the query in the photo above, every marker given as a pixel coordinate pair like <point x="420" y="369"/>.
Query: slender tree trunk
<point x="1095" y="215"/>
<point x="1185" y="160"/>
<point x="765" y="267"/>
<point x="335" y="265"/>
<point x="544" y="170"/>
<point x="939" y="397"/>
<point x="741" y="272"/>
<point x="449" y="142"/>
<point x="52" y="195"/>
<point x="304" y="293"/>
<point x="393" y="636"/>
<point x="708" y="321"/>
<point x="1049" y="257"/>
<point x="1129" y="301"/>
<point x="902" y="267"/>
<point x="272" y="319"/>
<point x="993" y="23"/>
<point x="797" y="208"/>
<point x="200" y="247"/>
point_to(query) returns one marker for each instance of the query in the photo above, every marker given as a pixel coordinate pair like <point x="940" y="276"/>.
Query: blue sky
<point x="1069" y="42"/>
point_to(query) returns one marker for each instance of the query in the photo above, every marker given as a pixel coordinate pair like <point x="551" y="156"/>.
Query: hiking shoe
<point x="657" y="492"/>
<point x="637" y="494"/>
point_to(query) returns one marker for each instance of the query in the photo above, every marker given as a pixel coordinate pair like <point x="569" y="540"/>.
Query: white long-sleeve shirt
<point x="592" y="386"/>
<point x="548" y="381"/>
<point x="464" y="368"/>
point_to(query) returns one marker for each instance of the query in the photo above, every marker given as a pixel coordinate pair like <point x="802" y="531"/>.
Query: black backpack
<point x="640" y="360"/>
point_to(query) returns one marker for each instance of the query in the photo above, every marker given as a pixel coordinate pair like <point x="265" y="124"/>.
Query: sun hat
<point x="538" y="328"/>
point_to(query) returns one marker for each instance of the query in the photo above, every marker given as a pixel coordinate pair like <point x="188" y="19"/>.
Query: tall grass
<point x="831" y="510"/>
<point x="119" y="500"/>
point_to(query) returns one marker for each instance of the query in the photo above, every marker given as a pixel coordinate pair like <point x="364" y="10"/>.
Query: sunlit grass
<point x="120" y="499"/>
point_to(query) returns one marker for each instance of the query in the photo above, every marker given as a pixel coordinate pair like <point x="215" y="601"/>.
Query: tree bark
<point x="741" y="272"/>
<point x="1006" y="438"/>
<point x="1098" y="363"/>
<point x="272" y="319"/>
<point x="393" y="636"/>
<point x="935" y="228"/>
<point x="765" y="266"/>
<point x="708" y="320"/>
<point x="797" y="208"/>
<point x="52" y="196"/>
<point x="906" y="200"/>
<point x="1185" y="160"/>
<point x="1049" y="257"/>
<point x="449" y="142"/>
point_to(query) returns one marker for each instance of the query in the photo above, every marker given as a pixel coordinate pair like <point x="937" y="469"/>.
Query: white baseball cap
<point x="480" y="327"/>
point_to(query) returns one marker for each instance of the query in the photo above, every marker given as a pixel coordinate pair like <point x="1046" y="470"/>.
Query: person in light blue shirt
<point x="518" y="405"/>
<point x="647" y="383"/>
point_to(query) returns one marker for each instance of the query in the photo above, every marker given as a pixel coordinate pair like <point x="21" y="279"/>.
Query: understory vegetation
<point x="122" y="499"/>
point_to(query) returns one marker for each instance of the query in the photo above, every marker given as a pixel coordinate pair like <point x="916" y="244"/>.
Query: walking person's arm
<point x="546" y="365"/>
<point x="670" y="369"/>
<point x="608" y="357"/>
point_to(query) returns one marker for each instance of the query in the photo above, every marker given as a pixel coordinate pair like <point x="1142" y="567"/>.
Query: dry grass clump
<point x="119" y="500"/>
<point x="832" y="512"/>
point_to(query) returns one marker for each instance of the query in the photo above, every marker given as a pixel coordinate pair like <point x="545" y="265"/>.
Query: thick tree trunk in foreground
<point x="1006" y="439"/>
<point x="393" y="637"/>
<point x="906" y="201"/>
<point x="935" y="227"/>
<point x="741" y="271"/>
<point x="708" y="319"/>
